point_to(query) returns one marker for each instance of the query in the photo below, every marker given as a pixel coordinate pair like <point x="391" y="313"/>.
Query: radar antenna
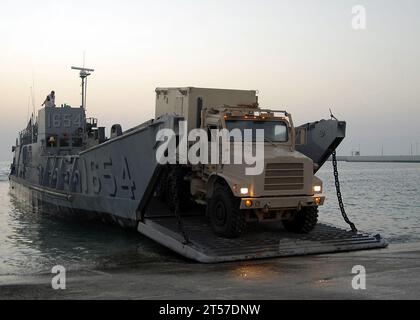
<point x="84" y="73"/>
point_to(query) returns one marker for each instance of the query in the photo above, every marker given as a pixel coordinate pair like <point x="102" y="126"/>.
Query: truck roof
<point x="158" y="89"/>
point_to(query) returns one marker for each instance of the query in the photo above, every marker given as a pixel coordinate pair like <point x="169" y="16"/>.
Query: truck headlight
<point x="317" y="189"/>
<point x="248" y="203"/>
<point x="244" y="191"/>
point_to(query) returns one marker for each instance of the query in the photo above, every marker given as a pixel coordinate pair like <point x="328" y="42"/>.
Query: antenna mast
<point x="84" y="73"/>
<point x="33" y="93"/>
<point x="27" y="115"/>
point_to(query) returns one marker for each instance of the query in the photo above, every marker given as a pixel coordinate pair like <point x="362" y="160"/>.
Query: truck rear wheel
<point x="225" y="217"/>
<point x="304" y="221"/>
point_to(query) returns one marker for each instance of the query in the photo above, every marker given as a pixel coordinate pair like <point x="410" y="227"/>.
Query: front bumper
<point x="281" y="203"/>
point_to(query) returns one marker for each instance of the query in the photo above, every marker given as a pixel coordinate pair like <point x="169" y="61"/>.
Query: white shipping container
<point x="189" y="101"/>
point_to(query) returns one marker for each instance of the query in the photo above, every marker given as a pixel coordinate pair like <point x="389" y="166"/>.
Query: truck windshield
<point x="274" y="131"/>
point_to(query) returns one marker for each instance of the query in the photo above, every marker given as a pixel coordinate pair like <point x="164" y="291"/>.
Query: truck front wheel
<point x="225" y="217"/>
<point x="304" y="221"/>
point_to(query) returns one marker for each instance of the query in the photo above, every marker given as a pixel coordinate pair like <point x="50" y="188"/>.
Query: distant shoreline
<point x="390" y="159"/>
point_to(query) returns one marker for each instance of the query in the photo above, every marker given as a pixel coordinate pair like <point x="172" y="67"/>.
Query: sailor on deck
<point x="50" y="100"/>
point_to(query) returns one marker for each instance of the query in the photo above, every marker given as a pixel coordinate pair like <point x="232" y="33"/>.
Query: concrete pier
<point x="392" y="273"/>
<point x="396" y="159"/>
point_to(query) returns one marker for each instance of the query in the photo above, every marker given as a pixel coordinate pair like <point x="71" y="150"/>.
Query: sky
<point x="301" y="55"/>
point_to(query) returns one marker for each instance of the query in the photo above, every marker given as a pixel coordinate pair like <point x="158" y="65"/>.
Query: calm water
<point x="380" y="198"/>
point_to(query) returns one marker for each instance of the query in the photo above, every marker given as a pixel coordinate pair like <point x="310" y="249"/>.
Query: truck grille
<point x="283" y="177"/>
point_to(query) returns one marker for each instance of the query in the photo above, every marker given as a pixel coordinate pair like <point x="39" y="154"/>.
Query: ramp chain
<point x="176" y="212"/>
<point x="339" y="196"/>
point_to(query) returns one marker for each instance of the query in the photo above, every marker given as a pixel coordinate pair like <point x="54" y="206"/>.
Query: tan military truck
<point x="286" y="190"/>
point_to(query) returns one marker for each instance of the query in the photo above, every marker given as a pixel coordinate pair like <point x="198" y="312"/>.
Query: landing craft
<point x="207" y="211"/>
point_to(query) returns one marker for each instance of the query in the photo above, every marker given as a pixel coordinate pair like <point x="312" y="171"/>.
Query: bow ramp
<point x="257" y="243"/>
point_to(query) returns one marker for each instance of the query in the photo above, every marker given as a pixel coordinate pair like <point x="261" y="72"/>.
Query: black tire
<point x="226" y="219"/>
<point x="304" y="221"/>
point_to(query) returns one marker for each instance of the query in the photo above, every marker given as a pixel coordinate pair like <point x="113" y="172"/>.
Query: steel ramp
<point x="257" y="243"/>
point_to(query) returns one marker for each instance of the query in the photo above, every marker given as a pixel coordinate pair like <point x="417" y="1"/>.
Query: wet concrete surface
<point x="392" y="273"/>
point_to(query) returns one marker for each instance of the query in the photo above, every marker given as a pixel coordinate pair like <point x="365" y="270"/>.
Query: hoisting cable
<point x="339" y="196"/>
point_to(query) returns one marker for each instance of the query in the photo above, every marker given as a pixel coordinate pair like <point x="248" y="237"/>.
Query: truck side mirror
<point x="301" y="136"/>
<point x="13" y="148"/>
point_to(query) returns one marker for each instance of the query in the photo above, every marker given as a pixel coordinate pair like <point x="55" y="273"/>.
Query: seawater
<point x="379" y="197"/>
